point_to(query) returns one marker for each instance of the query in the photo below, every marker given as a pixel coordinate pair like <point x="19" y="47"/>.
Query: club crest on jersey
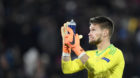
<point x="106" y="59"/>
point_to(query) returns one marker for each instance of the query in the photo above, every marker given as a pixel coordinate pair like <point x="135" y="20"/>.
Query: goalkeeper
<point x="106" y="61"/>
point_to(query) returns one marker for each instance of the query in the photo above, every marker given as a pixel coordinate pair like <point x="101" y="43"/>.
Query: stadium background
<point x="30" y="40"/>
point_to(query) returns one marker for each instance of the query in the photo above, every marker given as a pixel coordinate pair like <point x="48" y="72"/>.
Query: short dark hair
<point x="105" y="22"/>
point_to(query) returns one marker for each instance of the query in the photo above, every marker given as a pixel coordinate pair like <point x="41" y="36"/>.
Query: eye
<point x="93" y="29"/>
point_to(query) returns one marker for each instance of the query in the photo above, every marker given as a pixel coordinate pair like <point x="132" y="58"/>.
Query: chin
<point x="94" y="42"/>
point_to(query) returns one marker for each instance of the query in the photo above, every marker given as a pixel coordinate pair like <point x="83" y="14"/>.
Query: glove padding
<point x="69" y="39"/>
<point x="65" y="48"/>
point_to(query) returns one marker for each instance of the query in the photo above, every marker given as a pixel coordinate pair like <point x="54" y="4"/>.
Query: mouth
<point x="91" y="38"/>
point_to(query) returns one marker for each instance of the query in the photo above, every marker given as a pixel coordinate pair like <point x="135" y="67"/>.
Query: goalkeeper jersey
<point x="108" y="63"/>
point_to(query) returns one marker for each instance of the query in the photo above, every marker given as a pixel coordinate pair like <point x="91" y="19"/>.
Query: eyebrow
<point x="91" y="28"/>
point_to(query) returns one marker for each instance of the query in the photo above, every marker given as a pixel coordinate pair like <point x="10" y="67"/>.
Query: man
<point x="105" y="62"/>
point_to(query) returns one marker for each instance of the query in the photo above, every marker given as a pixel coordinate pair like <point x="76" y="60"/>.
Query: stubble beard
<point x="95" y="42"/>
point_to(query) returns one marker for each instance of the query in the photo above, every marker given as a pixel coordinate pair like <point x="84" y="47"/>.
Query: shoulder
<point x="116" y="51"/>
<point x="119" y="55"/>
<point x="119" y="52"/>
<point x="90" y="52"/>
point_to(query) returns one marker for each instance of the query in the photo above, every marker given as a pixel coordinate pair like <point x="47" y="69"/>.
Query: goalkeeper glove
<point x="79" y="51"/>
<point x="65" y="49"/>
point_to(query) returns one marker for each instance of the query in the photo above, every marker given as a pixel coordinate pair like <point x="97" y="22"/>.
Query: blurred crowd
<point x="30" y="39"/>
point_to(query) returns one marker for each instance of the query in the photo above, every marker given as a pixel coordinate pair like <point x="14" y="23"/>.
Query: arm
<point x="103" y="64"/>
<point x="69" y="66"/>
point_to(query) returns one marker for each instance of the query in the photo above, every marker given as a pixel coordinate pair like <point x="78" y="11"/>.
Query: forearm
<point x="84" y="58"/>
<point x="66" y="58"/>
<point x="91" y="64"/>
<point x="66" y="67"/>
<point x="65" y="63"/>
<point x="71" y="66"/>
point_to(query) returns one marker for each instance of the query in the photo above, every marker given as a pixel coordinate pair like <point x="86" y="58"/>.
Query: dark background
<point x="30" y="40"/>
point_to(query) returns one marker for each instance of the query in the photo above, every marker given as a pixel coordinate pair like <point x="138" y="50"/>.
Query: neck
<point x="103" y="45"/>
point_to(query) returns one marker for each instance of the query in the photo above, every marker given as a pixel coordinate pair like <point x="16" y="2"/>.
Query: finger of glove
<point x="66" y="49"/>
<point x="62" y="31"/>
<point x="65" y="27"/>
<point x="69" y="50"/>
<point x="68" y="38"/>
<point x="66" y="23"/>
<point x="77" y="41"/>
<point x="70" y="45"/>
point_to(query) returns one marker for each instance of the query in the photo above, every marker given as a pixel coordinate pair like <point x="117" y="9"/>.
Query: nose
<point x="89" y="34"/>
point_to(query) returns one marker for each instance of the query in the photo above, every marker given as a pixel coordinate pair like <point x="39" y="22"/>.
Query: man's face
<point x="95" y="34"/>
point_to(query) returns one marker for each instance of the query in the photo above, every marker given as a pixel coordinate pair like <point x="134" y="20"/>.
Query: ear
<point x="106" y="32"/>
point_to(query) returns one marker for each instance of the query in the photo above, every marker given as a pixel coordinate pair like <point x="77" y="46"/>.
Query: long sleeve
<point x="107" y="63"/>
<point x="70" y="67"/>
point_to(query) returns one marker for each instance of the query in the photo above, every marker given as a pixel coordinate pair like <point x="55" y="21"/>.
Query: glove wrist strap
<point x="83" y="53"/>
<point x="65" y="54"/>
